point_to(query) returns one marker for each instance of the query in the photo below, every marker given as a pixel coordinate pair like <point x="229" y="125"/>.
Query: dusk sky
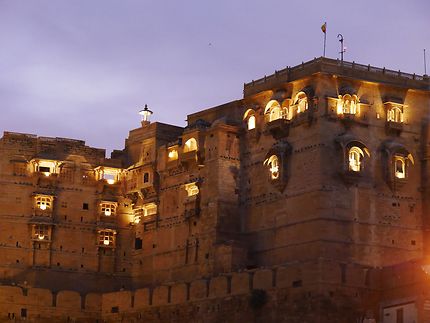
<point x="83" y="69"/>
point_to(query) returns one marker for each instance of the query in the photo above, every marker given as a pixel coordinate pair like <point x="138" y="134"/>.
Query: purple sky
<point x="83" y="68"/>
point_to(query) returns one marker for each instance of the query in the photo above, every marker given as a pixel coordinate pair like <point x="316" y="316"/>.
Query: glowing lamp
<point x="110" y="181"/>
<point x="42" y="206"/>
<point x="106" y="242"/>
<point x="46" y="174"/>
<point x="137" y="219"/>
<point x="108" y="212"/>
<point x="145" y="113"/>
<point x="41" y="236"/>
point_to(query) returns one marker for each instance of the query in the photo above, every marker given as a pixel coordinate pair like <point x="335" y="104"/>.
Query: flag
<point x="324" y="28"/>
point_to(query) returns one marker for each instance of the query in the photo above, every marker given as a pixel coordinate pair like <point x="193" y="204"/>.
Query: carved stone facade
<point x="303" y="201"/>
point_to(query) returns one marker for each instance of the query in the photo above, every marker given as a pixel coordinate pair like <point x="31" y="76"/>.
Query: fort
<point x="305" y="201"/>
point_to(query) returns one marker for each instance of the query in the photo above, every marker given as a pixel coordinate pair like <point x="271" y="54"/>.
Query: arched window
<point x="399" y="167"/>
<point x="348" y="104"/>
<point x="301" y="102"/>
<point x="395" y="114"/>
<point x="172" y="154"/>
<point x="273" y="110"/>
<point x="273" y="163"/>
<point x="190" y="145"/>
<point x="251" y="123"/>
<point x="249" y="118"/>
<point x="355" y="156"/>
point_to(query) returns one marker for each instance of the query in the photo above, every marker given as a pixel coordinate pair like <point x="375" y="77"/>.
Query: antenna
<point x="342" y="49"/>
<point x="425" y="63"/>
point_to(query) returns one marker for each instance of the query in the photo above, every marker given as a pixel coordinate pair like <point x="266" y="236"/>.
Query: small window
<point x="190" y="145"/>
<point x="107" y="238"/>
<point x="44" y="169"/>
<point x="85" y="206"/>
<point x="138" y="243"/>
<point x="41" y="232"/>
<point x="108" y="209"/>
<point x="273" y="163"/>
<point x="395" y="114"/>
<point x="301" y="102"/>
<point x="149" y="209"/>
<point x="115" y="309"/>
<point x="44" y="202"/>
<point x="172" y="154"/>
<point x="355" y="156"/>
<point x="273" y="110"/>
<point x="399" y="167"/>
<point x="146" y="177"/>
<point x="23" y="312"/>
<point x="192" y="189"/>
<point x="251" y="123"/>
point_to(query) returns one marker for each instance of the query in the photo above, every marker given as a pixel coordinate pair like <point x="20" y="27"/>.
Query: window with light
<point x="273" y="163"/>
<point x="355" y="156"/>
<point x="400" y="167"/>
<point x="273" y="111"/>
<point x="395" y="114"/>
<point x="108" y="209"/>
<point x="41" y="232"/>
<point x="190" y="145"/>
<point x="192" y="189"/>
<point x="107" y="238"/>
<point x="43" y="202"/>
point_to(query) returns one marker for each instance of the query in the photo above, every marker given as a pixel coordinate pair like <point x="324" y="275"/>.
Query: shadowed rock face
<point x="310" y="214"/>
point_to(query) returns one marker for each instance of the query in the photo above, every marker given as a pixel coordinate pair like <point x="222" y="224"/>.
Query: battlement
<point x="295" y="278"/>
<point x="338" y="68"/>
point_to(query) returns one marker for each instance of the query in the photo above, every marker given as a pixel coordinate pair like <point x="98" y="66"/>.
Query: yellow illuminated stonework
<point x="192" y="189"/>
<point x="273" y="163"/>
<point x="190" y="145"/>
<point x="355" y="156"/>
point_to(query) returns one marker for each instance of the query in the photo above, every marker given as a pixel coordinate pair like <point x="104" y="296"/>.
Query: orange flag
<point x="324" y="28"/>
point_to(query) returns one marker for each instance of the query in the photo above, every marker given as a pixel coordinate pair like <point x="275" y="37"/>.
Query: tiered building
<point x="305" y="201"/>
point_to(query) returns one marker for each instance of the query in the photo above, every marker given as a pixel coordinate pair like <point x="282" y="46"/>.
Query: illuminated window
<point x="395" y="114"/>
<point x="273" y="163"/>
<point x="109" y="178"/>
<point x="400" y="167"/>
<point x="250" y="119"/>
<point x="41" y="232"/>
<point x="192" y="189"/>
<point x="273" y="110"/>
<point x="107" y="238"/>
<point x="149" y="209"/>
<point x="251" y="123"/>
<point x="44" y="202"/>
<point x="46" y="167"/>
<point x="190" y="145"/>
<point x="108" y="174"/>
<point x="173" y="154"/>
<point x="355" y="156"/>
<point x="108" y="209"/>
<point x="348" y="104"/>
<point x="301" y="102"/>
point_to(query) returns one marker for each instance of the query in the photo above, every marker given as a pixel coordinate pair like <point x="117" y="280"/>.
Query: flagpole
<point x="325" y="37"/>
<point x="425" y="63"/>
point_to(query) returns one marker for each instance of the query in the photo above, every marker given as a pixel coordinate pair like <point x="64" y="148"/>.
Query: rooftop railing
<point x="335" y="63"/>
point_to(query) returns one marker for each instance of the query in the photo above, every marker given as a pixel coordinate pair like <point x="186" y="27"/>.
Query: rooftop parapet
<point x="341" y="68"/>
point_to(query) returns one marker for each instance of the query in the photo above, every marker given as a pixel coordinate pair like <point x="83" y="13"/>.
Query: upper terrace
<point x="341" y="68"/>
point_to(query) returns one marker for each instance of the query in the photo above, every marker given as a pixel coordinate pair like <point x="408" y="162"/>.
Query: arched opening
<point x="399" y="167"/>
<point x="273" y="163"/>
<point x="355" y="156"/>
<point x="395" y="114"/>
<point x="190" y="145"/>
<point x="273" y="110"/>
<point x="348" y="104"/>
<point x="301" y="102"/>
<point x="249" y="118"/>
